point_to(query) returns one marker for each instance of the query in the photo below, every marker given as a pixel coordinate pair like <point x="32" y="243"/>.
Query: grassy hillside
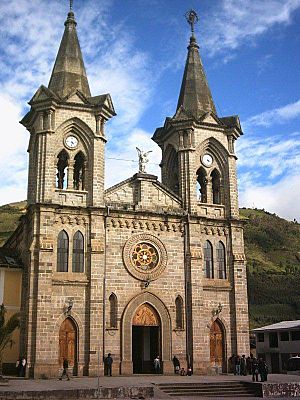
<point x="273" y="262"/>
<point x="9" y="218"/>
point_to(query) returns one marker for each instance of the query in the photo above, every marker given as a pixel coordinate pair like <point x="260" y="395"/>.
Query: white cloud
<point x="276" y="116"/>
<point x="235" y="21"/>
<point x="281" y="198"/>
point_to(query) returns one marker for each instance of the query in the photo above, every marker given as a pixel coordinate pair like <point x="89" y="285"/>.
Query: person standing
<point x="108" y="363"/>
<point x="263" y="370"/>
<point x="255" y="369"/>
<point x="65" y="370"/>
<point x="176" y="364"/>
<point x="238" y="365"/>
<point x="157" y="365"/>
<point x="22" y="367"/>
<point x="243" y="365"/>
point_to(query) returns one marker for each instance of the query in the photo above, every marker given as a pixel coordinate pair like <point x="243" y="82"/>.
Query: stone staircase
<point x="214" y="389"/>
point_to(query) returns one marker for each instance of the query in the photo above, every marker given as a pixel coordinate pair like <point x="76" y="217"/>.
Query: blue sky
<point x="136" y="50"/>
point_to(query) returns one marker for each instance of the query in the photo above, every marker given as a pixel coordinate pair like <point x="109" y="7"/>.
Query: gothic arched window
<point x="202" y="184"/>
<point x="62" y="170"/>
<point x="172" y="169"/>
<point x="179" y="312"/>
<point x="208" y="260"/>
<point x="113" y="304"/>
<point x="216" y="186"/>
<point x="78" y="252"/>
<point x="221" y="260"/>
<point x="62" y="251"/>
<point x="79" y="171"/>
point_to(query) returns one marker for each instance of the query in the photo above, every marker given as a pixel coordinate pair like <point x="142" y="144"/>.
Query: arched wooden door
<point x="68" y="344"/>
<point x="217" y="345"/>
<point x="146" y="339"/>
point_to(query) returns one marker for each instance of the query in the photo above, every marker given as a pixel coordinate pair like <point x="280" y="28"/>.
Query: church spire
<point x="69" y="72"/>
<point x="195" y="95"/>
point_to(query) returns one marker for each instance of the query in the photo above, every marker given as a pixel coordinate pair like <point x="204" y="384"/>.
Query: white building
<point x="278" y="342"/>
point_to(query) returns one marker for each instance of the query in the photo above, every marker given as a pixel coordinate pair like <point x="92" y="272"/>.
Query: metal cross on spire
<point x="192" y="18"/>
<point x="71" y="5"/>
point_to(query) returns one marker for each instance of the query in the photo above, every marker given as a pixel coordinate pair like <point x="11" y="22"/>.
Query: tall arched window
<point x="208" y="260"/>
<point x="113" y="304"/>
<point x="216" y="186"/>
<point x="79" y="171"/>
<point x="62" y="170"/>
<point x="78" y="252"/>
<point x="179" y="312"/>
<point x="221" y="260"/>
<point x="202" y="185"/>
<point x="171" y="160"/>
<point x="62" y="252"/>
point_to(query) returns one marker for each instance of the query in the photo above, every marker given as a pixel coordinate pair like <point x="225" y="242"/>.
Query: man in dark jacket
<point x="108" y="363"/>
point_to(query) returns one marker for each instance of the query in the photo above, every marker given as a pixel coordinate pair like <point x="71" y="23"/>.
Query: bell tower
<point x="67" y="138"/>
<point x="198" y="159"/>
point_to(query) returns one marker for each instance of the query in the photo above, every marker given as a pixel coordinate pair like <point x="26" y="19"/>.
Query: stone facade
<point x="144" y="242"/>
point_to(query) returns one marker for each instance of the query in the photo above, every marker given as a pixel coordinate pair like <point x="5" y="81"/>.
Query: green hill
<point x="272" y="247"/>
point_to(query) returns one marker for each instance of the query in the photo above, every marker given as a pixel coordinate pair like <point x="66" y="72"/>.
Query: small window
<point x="78" y="252"/>
<point x="295" y="335"/>
<point x="221" y="260"/>
<point x="273" y="339"/>
<point x="62" y="252"/>
<point x="113" y="310"/>
<point x="208" y="260"/>
<point x="284" y="336"/>
<point x="179" y="312"/>
<point x="260" y="337"/>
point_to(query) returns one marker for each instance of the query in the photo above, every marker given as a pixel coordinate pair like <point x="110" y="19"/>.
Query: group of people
<point x="249" y="365"/>
<point x="181" y="371"/>
<point x="21" y="366"/>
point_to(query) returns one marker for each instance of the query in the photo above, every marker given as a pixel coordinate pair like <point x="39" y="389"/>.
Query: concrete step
<point x="215" y="389"/>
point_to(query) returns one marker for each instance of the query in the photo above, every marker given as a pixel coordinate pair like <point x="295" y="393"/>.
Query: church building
<point x="147" y="267"/>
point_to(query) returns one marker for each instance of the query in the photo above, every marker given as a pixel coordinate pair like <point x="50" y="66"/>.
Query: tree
<point x="6" y="330"/>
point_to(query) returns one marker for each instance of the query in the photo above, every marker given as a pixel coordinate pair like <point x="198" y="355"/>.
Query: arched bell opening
<point x="201" y="185"/>
<point x="217" y="346"/>
<point x="79" y="177"/>
<point x="62" y="170"/>
<point x="146" y="339"/>
<point x="68" y="339"/>
<point x="216" y="186"/>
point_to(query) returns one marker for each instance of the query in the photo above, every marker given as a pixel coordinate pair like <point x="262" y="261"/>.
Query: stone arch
<point x="78" y="127"/>
<point x="171" y="169"/>
<point x="165" y="319"/>
<point x="217" y="150"/>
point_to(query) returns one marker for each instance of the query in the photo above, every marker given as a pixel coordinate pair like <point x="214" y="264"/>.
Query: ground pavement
<point x="18" y="384"/>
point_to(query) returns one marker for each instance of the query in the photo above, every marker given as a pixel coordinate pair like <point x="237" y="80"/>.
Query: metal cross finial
<point x="71" y="5"/>
<point x="192" y="18"/>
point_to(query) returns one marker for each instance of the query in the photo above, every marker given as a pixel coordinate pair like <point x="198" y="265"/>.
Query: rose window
<point x="144" y="256"/>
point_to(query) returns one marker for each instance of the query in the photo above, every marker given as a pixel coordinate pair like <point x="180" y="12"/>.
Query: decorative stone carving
<point x="146" y="316"/>
<point x="144" y="256"/>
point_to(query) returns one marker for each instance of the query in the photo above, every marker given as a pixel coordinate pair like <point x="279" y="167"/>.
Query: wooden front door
<point x="68" y="344"/>
<point x="217" y="345"/>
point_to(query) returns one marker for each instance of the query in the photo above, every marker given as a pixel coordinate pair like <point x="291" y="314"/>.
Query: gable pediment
<point x="43" y="94"/>
<point x="76" y="96"/>
<point x="210" y="118"/>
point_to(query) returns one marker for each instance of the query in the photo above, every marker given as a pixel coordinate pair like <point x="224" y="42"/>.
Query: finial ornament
<point x="71" y="5"/>
<point x="192" y="18"/>
<point x="143" y="160"/>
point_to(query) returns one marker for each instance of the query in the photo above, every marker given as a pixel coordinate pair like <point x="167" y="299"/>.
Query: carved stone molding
<point x="145" y="256"/>
<point x="215" y="231"/>
<point x="70" y="220"/>
<point x="239" y="257"/>
<point x="145" y="225"/>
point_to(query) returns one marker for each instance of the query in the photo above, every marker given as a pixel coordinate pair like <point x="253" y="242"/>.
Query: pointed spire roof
<point x="195" y="96"/>
<point x="69" y="72"/>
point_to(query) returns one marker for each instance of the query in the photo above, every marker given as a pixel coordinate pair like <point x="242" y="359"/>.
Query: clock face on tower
<point x="71" y="141"/>
<point x="207" y="160"/>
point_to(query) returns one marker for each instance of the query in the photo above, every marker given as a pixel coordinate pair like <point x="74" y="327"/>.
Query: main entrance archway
<point x="217" y="346"/>
<point x="68" y="344"/>
<point x="146" y="339"/>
